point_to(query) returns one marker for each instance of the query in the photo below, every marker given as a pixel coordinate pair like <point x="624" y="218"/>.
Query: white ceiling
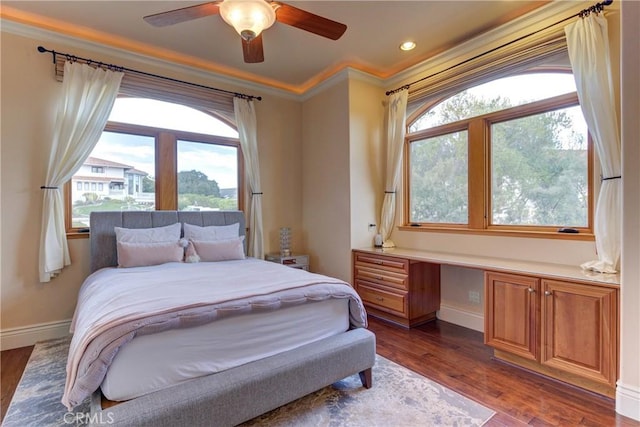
<point x="295" y="60"/>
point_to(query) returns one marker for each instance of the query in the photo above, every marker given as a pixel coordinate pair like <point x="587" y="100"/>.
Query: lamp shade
<point x="248" y="17"/>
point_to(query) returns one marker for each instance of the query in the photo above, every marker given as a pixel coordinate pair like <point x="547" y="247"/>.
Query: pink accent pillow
<point x="219" y="250"/>
<point x="169" y="233"/>
<point x="211" y="232"/>
<point x="143" y="254"/>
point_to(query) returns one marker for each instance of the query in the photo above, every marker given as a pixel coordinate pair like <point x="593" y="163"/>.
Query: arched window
<point x="509" y="155"/>
<point x="158" y="155"/>
<point x="166" y="115"/>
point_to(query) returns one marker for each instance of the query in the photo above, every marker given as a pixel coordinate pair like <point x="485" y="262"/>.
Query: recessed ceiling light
<point x="407" y="45"/>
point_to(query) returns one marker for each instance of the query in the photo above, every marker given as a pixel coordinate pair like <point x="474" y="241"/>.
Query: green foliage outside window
<point x="538" y="166"/>
<point x="439" y="179"/>
<point x="196" y="182"/>
<point x="535" y="179"/>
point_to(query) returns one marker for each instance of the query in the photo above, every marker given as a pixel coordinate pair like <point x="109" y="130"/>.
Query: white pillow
<point x="143" y="254"/>
<point x="169" y="233"/>
<point x="212" y="232"/>
<point x="219" y="250"/>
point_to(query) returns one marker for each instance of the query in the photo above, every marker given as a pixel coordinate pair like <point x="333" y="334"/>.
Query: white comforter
<point x="115" y="304"/>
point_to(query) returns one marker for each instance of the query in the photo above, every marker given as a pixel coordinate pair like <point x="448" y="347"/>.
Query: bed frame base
<point x="239" y="394"/>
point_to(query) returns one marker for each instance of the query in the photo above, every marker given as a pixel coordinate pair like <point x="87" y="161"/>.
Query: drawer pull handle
<point x="548" y="293"/>
<point x="379" y="299"/>
<point x="379" y="262"/>
<point x="379" y="277"/>
<point x="531" y="290"/>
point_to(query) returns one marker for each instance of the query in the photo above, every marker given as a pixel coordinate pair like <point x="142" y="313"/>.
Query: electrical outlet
<point x="474" y="297"/>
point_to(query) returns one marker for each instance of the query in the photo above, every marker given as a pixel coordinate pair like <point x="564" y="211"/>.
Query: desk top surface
<point x="547" y="270"/>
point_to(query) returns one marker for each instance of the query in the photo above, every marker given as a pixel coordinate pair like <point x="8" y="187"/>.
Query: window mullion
<point x="477" y="174"/>
<point x="166" y="172"/>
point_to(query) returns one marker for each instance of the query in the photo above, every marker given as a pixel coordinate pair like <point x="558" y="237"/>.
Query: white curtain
<point x="87" y="97"/>
<point x="247" y="129"/>
<point x="588" y="46"/>
<point x="396" y="116"/>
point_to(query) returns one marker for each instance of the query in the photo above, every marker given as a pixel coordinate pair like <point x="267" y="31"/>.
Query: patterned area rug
<point x="399" y="397"/>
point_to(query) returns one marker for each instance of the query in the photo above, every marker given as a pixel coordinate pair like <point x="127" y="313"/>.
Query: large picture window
<point x="158" y="155"/>
<point x="511" y="155"/>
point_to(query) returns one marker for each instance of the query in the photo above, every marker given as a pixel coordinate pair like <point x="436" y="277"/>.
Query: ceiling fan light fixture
<point x="248" y="17"/>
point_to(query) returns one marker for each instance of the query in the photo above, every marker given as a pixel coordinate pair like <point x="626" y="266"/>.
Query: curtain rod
<point x="596" y="8"/>
<point x="130" y="70"/>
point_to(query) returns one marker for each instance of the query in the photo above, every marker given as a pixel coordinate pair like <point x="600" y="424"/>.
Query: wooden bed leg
<point x="365" y="377"/>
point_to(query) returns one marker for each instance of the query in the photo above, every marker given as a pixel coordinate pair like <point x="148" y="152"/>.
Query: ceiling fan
<point x="250" y="18"/>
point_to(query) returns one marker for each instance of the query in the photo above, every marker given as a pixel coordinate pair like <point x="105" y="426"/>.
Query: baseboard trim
<point x="461" y="317"/>
<point x="24" y="336"/>
<point x="628" y="401"/>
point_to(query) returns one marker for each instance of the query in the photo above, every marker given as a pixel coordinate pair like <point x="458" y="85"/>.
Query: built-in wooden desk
<point x="555" y="319"/>
<point x="548" y="270"/>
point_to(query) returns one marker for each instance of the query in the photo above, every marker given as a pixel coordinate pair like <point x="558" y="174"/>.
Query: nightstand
<point x="293" y="261"/>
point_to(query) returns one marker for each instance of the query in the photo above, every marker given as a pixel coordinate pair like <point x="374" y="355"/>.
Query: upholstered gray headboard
<point x="103" y="236"/>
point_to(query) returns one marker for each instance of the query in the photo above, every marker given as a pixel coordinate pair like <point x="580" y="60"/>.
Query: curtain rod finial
<point x="41" y="49"/>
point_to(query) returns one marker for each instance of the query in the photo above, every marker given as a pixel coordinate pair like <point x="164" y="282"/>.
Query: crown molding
<point x="238" y="83"/>
<point x="48" y="37"/>
<point x="345" y="74"/>
<point x="521" y="26"/>
<point x="532" y="21"/>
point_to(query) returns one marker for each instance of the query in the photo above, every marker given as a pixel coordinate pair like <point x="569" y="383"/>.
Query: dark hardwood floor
<point x="456" y="358"/>
<point x="12" y="363"/>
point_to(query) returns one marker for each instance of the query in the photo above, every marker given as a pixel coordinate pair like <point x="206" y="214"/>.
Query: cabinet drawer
<point x="382" y="277"/>
<point x="395" y="303"/>
<point x="397" y="265"/>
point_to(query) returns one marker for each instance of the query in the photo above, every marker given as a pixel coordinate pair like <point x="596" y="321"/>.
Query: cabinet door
<point x="579" y="329"/>
<point x="512" y="313"/>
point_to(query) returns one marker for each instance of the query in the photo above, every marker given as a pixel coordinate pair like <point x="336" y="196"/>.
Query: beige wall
<point x="325" y="180"/>
<point x="366" y="159"/>
<point x="29" y="94"/>
<point x="28" y="110"/>
<point x="280" y="149"/>
<point x="342" y="171"/>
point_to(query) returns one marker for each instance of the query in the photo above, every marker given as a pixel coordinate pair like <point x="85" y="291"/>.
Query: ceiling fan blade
<point x="253" y="52"/>
<point x="184" y="14"/>
<point x="308" y="21"/>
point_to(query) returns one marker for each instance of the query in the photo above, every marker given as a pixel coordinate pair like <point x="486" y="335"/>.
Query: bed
<point x="215" y="360"/>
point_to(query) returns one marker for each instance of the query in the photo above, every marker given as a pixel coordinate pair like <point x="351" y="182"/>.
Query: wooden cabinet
<point x="579" y="330"/>
<point x="562" y="329"/>
<point x="512" y="314"/>
<point x="397" y="289"/>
